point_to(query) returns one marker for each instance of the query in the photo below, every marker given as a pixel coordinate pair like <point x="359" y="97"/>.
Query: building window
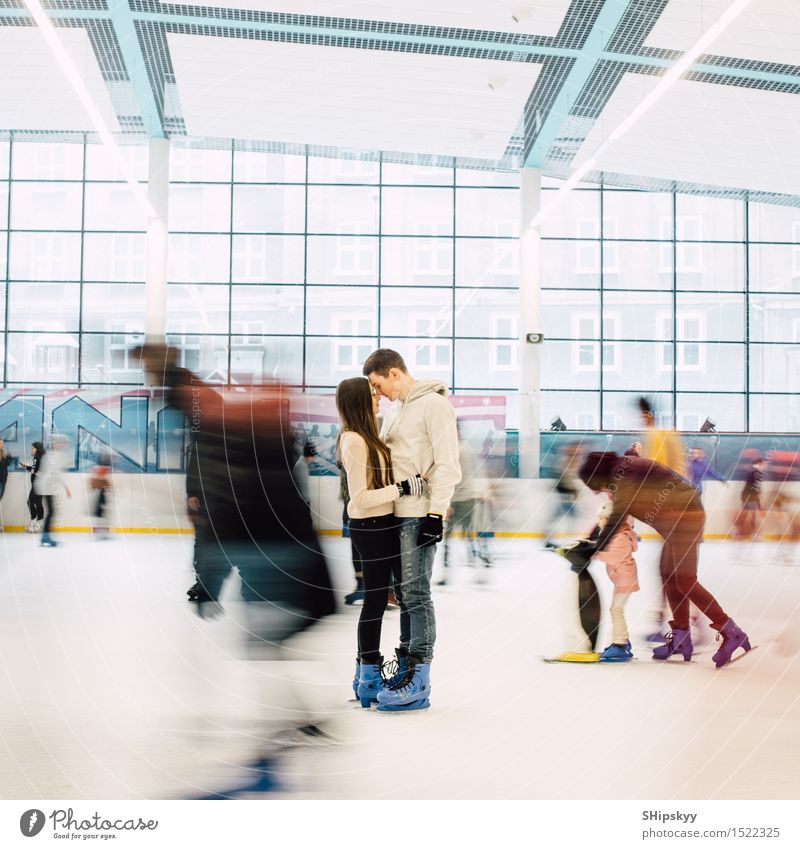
<point x="505" y="346"/>
<point x="586" y="351"/>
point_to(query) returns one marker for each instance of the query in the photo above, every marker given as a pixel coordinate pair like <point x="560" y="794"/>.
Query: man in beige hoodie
<point x="420" y="431"/>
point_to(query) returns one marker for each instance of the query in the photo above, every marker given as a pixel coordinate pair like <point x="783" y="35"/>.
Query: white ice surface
<point x="110" y="687"/>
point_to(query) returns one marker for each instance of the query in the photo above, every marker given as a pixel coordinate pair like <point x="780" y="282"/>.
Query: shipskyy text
<point x="663" y="816"/>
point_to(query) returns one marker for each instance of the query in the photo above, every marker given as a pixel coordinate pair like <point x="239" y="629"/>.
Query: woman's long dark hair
<point x="354" y="404"/>
<point x="39" y="448"/>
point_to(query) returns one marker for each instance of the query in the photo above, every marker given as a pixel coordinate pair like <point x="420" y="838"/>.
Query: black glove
<point x="431" y="530"/>
<point x="411" y="486"/>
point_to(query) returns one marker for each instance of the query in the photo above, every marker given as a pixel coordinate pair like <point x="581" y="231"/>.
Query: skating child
<point x="621" y="569"/>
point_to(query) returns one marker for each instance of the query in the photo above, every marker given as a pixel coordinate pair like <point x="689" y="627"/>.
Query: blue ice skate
<point x="617" y="654"/>
<point x="411" y="692"/>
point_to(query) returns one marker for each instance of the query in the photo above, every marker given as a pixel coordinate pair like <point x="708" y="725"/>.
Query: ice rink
<point x="112" y="688"/>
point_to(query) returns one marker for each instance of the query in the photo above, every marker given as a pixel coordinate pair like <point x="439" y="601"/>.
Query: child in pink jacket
<point x="621" y="569"/>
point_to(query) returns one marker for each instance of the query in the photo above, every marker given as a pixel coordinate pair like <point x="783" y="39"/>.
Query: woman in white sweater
<point x="373" y="527"/>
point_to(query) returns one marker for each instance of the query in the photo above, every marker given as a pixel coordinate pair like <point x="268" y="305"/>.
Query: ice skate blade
<point x="421" y="704"/>
<point x="737" y="659"/>
<point x="574" y="657"/>
<point x="678" y="661"/>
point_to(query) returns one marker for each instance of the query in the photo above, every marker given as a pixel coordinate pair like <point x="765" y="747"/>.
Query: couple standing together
<point x="401" y="480"/>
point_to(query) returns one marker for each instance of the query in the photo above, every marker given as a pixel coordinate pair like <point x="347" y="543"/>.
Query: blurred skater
<point x="668" y="503"/>
<point x="100" y="484"/>
<point x="567" y="488"/>
<point x="258" y="524"/>
<point x="50" y="483"/>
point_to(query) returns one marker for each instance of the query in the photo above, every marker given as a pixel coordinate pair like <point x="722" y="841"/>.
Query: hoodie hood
<point x="426" y="387"/>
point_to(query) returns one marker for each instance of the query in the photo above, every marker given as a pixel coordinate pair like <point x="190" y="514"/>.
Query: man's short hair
<point x="380" y="361"/>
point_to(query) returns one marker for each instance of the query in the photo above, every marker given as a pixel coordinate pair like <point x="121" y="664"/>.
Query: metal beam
<point x="125" y="29"/>
<point x="592" y="52"/>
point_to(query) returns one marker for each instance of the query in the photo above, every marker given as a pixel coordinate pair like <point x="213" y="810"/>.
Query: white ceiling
<point x="362" y="99"/>
<point x="703" y="133"/>
<point x="35" y="92"/>
<point x="542" y="17"/>
<point x="767" y="30"/>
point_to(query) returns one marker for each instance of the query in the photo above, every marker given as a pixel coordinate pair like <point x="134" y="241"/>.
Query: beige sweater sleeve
<point x="354" y="460"/>
<point x="445" y="473"/>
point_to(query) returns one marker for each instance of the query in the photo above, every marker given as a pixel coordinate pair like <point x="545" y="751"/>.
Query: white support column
<point x="157" y="241"/>
<point x="530" y="322"/>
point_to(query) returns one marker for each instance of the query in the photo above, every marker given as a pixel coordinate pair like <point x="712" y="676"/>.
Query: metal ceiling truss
<point x="598" y="42"/>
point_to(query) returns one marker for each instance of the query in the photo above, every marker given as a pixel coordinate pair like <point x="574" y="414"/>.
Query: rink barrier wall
<point x="146" y="503"/>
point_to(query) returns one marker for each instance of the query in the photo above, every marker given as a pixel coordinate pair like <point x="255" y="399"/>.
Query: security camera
<point x="534" y="338"/>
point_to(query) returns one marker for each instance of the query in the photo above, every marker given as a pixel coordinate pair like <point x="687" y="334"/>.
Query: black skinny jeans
<point x="377" y="541"/>
<point x="35" y="507"/>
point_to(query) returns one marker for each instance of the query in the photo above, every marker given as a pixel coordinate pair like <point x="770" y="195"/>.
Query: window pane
<point x="576" y="216"/>
<point x="268" y="259"/>
<point x="45" y="256"/>
<point x="423" y="261"/>
<point x="42" y="357"/>
<point x="417" y="312"/>
<point x="108" y="358"/>
<point x="206" y="356"/>
<point x="330" y="360"/>
<point x="487" y="314"/>
<point x="775" y="268"/>
<point x="474" y="177"/>
<point x="578" y="410"/>
<point x="715" y="316"/>
<point x="637" y="265"/>
<point x="197" y="309"/>
<point x="426" y="358"/>
<point x="269" y="209"/>
<point x="114" y="307"/>
<point x="640" y="366"/>
<point x="420" y="175"/>
<point x="324" y="170"/>
<point x="208" y="166"/>
<point x="775" y="318"/>
<point x="487" y="212"/>
<point x="43" y="306"/>
<point x="3" y="206"/>
<point x="726" y="411"/>
<point x="770" y="223"/>
<point x="101" y="165"/>
<point x="498" y="370"/>
<point x="709" y="219"/>
<point x="260" y="310"/>
<point x="256" y="359"/>
<point x="45" y="161"/>
<point x="114" y="256"/>
<point x="570" y="265"/>
<point x="487" y="262"/>
<point x="342" y="209"/>
<point x="113" y="206"/>
<point x="710" y="268"/>
<point x="566" y="365"/>
<point x="3" y="253"/>
<point x="342" y="310"/>
<point x="621" y="410"/>
<point x="46" y="206"/>
<point x="257" y="167"/>
<point x="637" y="315"/>
<point x="570" y="315"/>
<point x="5" y="147"/>
<point x="342" y="259"/>
<point x="774" y="368"/>
<point x="198" y="259"/>
<point x="710" y="366"/>
<point x="637" y="215"/>
<point x="775" y="413"/>
<point x="417" y="212"/>
<point x="199" y="209"/>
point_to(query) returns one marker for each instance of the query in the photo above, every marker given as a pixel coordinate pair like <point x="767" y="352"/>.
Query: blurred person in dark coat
<point x="253" y="517"/>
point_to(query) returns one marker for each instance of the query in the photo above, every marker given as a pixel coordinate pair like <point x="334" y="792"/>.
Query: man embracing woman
<point x="401" y="481"/>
